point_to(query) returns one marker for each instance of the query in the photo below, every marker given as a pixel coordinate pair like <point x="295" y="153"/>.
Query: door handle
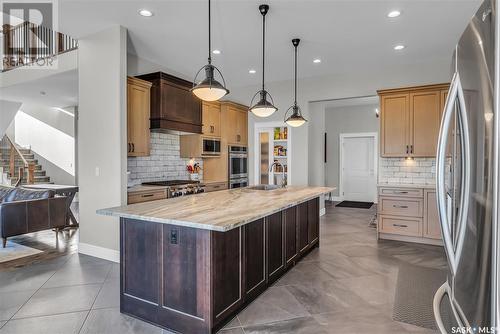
<point x="453" y="252"/>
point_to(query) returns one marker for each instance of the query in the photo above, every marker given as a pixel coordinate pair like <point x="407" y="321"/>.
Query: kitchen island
<point x="190" y="263"/>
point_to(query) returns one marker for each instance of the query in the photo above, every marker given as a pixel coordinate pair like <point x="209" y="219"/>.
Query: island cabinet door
<point x="302" y="219"/>
<point x="255" y="258"/>
<point x="275" y="246"/>
<point x="313" y="220"/>
<point x="291" y="229"/>
<point x="227" y="259"/>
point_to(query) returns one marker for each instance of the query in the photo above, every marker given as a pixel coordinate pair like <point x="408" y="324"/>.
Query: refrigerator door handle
<point x="453" y="251"/>
<point x="436" y="306"/>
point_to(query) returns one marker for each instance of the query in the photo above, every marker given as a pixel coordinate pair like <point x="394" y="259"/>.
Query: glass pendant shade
<point x="295" y="119"/>
<point x="209" y="89"/>
<point x="264" y="107"/>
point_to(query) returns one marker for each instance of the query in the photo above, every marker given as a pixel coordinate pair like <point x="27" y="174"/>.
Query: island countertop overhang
<point x="218" y="211"/>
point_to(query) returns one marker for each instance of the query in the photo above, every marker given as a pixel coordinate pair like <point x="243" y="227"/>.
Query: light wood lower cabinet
<point x="215" y="186"/>
<point x="408" y="214"/>
<point x="146" y="196"/>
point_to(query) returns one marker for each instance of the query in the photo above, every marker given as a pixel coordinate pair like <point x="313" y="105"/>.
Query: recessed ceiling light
<point x="252" y="71"/>
<point x="145" y="13"/>
<point x="394" y="13"/>
<point x="399" y="47"/>
<point x="216" y="52"/>
<point x="317" y="61"/>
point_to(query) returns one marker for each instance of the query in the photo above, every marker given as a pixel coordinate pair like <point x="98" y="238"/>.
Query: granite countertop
<point x="220" y="210"/>
<point x="140" y="188"/>
<point x="408" y="185"/>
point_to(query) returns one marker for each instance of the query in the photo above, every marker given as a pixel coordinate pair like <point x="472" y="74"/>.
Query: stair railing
<point x="28" y="43"/>
<point x="14" y="153"/>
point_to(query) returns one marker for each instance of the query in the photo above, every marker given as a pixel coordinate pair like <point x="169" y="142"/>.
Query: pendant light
<point x="295" y="119"/>
<point x="264" y="107"/>
<point x="209" y="89"/>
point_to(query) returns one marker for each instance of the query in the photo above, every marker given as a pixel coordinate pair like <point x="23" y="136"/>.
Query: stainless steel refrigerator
<point x="467" y="180"/>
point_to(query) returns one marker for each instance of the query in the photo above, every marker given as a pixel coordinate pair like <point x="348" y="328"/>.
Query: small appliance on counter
<point x="238" y="167"/>
<point x="177" y="188"/>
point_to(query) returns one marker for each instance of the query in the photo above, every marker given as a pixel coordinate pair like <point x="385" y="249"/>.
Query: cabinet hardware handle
<point x="148" y="195"/>
<point x="400" y="206"/>
<point x="211" y="128"/>
<point x="133" y="147"/>
<point x="411" y="149"/>
<point x="400" y="192"/>
<point x="399" y="225"/>
<point x="128" y="146"/>
<point x="238" y="137"/>
<point x="407" y="149"/>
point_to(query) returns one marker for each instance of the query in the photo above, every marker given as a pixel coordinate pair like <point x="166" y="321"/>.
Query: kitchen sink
<point x="264" y="187"/>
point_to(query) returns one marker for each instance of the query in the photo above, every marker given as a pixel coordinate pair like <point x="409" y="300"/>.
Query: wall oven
<point x="238" y="167"/>
<point x="210" y="147"/>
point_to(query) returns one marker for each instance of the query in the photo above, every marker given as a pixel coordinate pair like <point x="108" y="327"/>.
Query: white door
<point x="359" y="180"/>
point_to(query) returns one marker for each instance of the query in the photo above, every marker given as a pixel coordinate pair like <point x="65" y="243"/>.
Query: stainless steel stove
<point x="177" y="188"/>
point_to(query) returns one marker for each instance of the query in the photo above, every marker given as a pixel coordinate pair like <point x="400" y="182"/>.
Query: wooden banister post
<point x="7" y="46"/>
<point x="31" y="173"/>
<point x="12" y="160"/>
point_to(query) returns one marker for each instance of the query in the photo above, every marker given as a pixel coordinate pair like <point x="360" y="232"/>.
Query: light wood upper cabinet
<point x="235" y="120"/>
<point x="211" y="119"/>
<point x="424" y="122"/>
<point x="394" y="124"/>
<point x="410" y="119"/>
<point x="138" y="113"/>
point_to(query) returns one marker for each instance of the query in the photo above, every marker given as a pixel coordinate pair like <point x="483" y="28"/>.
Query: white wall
<point x="50" y="134"/>
<point x="102" y="153"/>
<point x="348" y="119"/>
<point x="332" y="87"/>
<point x="8" y="110"/>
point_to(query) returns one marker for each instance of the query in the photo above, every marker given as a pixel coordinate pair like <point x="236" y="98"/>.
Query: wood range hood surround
<point x="173" y="107"/>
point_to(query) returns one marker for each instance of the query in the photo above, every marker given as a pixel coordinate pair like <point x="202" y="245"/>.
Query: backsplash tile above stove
<point x="400" y="170"/>
<point x="164" y="162"/>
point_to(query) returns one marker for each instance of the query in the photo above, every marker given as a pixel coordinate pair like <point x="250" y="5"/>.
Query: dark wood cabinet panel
<point x="185" y="271"/>
<point x="313" y="220"/>
<point x="291" y="230"/>
<point x="141" y="260"/>
<point x="173" y="106"/>
<point x="255" y="257"/>
<point x="226" y="271"/>
<point x="275" y="246"/>
<point x="302" y="218"/>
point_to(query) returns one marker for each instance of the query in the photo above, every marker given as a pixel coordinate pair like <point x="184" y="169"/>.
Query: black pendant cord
<point x="295" y="101"/>
<point x="209" y="33"/>
<point x="263" y="48"/>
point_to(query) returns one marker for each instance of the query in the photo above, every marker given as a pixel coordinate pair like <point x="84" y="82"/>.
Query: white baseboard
<point x="334" y="199"/>
<point x="322" y="212"/>
<point x="100" y="252"/>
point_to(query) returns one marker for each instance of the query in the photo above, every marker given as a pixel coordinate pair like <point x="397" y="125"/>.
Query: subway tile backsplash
<point x="400" y="170"/>
<point x="164" y="162"/>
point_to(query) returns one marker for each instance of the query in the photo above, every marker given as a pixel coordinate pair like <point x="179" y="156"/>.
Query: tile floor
<point x="345" y="286"/>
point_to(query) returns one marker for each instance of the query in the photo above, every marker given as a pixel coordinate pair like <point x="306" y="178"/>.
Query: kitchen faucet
<point x="283" y="181"/>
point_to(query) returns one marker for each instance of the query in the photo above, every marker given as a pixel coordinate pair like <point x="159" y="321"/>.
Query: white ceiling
<point x="60" y="90"/>
<point x="349" y="36"/>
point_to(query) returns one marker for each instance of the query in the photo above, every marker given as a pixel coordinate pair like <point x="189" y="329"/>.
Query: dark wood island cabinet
<point x="193" y="280"/>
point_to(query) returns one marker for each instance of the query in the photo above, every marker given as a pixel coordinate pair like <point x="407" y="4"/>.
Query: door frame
<point x="342" y="137"/>
<point x="256" y="150"/>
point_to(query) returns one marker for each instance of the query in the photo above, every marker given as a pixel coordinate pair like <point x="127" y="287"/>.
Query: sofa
<point x="26" y="211"/>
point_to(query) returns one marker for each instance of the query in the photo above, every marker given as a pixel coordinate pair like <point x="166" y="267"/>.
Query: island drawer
<point x="401" y="207"/>
<point x="400" y="225"/>
<point x="401" y="192"/>
<point x="146" y="196"/>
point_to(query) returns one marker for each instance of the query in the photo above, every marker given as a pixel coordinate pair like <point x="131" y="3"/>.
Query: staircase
<point x="39" y="175"/>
